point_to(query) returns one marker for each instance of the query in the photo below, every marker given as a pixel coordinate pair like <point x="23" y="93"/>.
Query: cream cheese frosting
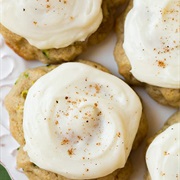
<point x="80" y="122"/>
<point x="152" y="42"/>
<point x="51" y="23"/>
<point x="163" y="155"/>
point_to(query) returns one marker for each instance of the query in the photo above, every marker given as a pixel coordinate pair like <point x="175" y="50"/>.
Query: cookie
<point x="145" y="53"/>
<point x="165" y="144"/>
<point x="40" y="36"/>
<point x="86" y="102"/>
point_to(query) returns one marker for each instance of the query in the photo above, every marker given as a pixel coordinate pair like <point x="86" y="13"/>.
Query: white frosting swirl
<point x="163" y="155"/>
<point x="152" y="42"/>
<point x="80" y="122"/>
<point x="53" y="23"/>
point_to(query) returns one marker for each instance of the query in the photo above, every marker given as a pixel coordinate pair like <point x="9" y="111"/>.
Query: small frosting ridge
<point x="80" y="122"/>
<point x="163" y="155"/>
<point x="152" y="42"/>
<point x="49" y="24"/>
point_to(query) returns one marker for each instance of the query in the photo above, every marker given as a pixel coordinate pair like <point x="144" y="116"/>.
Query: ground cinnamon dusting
<point x="70" y="151"/>
<point x="64" y="141"/>
<point x="161" y="64"/>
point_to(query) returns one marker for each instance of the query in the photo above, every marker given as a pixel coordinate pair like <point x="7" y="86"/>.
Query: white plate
<point x="11" y="65"/>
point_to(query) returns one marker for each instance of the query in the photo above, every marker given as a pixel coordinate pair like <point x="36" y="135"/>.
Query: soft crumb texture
<point x="14" y="102"/>
<point x="175" y="118"/>
<point x="165" y="96"/>
<point x="53" y="56"/>
<point x="142" y="131"/>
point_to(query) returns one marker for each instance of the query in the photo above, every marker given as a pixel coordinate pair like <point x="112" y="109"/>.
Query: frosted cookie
<point x="147" y="50"/>
<point x="73" y="121"/>
<point x="163" y="153"/>
<point x="55" y="31"/>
